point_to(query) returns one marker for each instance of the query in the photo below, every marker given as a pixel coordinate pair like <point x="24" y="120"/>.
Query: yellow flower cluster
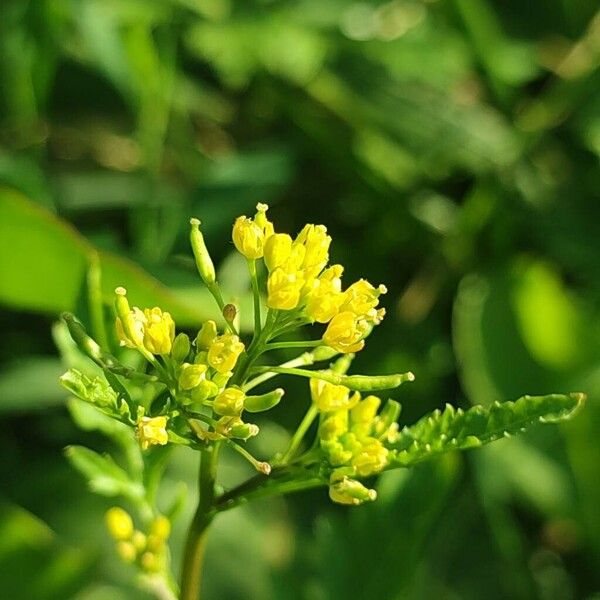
<point x="151" y="330"/>
<point x="351" y="435"/>
<point x="298" y="280"/>
<point x="147" y="550"/>
<point x="205" y="381"/>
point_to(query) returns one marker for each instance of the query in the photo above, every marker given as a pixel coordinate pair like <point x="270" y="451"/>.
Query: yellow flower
<point x="224" y="352"/>
<point x="316" y="241"/>
<point x="345" y="333"/>
<point x="230" y="402"/>
<point x="151" y="431"/>
<point x="248" y="238"/>
<point x="324" y="297"/>
<point x="119" y="523"/>
<point x="159" y="331"/>
<point x="161" y="527"/>
<point x="371" y="458"/>
<point x="278" y="249"/>
<point x="361" y="298"/>
<point x="329" y="397"/>
<point x="284" y="289"/>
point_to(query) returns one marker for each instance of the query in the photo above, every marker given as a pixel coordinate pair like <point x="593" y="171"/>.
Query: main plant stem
<point x="191" y="572"/>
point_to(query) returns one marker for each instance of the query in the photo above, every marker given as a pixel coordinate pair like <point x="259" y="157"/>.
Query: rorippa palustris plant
<point x="201" y="392"/>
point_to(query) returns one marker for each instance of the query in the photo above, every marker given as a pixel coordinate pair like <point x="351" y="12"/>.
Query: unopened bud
<point x="204" y="390"/>
<point x="119" y="523"/>
<point x="206" y="335"/>
<point x="263" y="402"/>
<point x="191" y="375"/>
<point x="127" y="551"/>
<point x="205" y="265"/>
<point x="351" y="492"/>
<point x="229" y="312"/>
<point x="161" y="527"/>
<point x="181" y="347"/>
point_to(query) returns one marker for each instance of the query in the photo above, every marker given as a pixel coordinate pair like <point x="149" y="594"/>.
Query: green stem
<point x="215" y="290"/>
<point x="193" y="558"/>
<point x="296" y="344"/>
<point x="283" y="479"/>
<point x="298" y="436"/>
<point x="256" y="296"/>
<point x="303" y="360"/>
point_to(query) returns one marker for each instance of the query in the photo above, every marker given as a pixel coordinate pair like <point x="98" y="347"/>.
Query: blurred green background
<point x="450" y="146"/>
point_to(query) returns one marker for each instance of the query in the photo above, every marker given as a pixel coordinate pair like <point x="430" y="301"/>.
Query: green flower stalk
<point x="195" y="391"/>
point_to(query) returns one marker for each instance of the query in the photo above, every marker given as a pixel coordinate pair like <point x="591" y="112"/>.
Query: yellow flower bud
<point x="119" y="523"/>
<point x="248" y="238"/>
<point x="127" y="551"/>
<point x="328" y="397"/>
<point x="371" y="458"/>
<point x="284" y="289"/>
<point x="278" y="249"/>
<point x="159" y="331"/>
<point x="230" y="402"/>
<point x="152" y="431"/>
<point x="206" y="335"/>
<point x="161" y="527"/>
<point x="204" y="263"/>
<point x="361" y="298"/>
<point x="350" y="492"/>
<point x="345" y="333"/>
<point x="224" y="352"/>
<point x="191" y="375"/>
<point x="139" y="541"/>
<point x="150" y="562"/>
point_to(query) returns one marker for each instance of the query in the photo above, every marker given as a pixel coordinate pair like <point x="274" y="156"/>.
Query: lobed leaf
<point x="103" y="474"/>
<point x="456" y="429"/>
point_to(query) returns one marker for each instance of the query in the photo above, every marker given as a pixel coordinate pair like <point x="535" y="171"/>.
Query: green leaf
<point x="104" y="475"/>
<point x="44" y="265"/>
<point x="456" y="429"/>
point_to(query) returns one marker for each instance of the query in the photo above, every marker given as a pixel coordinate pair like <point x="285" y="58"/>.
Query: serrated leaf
<point x="456" y="429"/>
<point x="105" y="477"/>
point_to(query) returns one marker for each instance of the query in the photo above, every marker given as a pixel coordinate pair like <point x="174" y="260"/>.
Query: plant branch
<point x="191" y="573"/>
